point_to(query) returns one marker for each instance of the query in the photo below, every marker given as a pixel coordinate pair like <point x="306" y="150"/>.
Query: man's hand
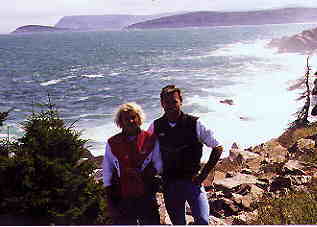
<point x="198" y="179"/>
<point x="213" y="159"/>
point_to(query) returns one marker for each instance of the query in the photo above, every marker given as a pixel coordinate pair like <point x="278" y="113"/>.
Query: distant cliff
<point x="177" y="20"/>
<point x="104" y="22"/>
<point x="211" y="18"/>
<point x="37" y="28"/>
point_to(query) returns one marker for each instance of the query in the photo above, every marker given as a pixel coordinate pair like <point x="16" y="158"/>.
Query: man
<point x="129" y="166"/>
<point x="181" y="138"/>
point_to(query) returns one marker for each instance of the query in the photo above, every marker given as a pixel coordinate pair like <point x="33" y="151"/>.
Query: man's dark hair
<point x="170" y="89"/>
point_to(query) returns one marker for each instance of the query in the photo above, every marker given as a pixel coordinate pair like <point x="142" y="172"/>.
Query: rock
<point x="235" y="146"/>
<point x="256" y="192"/>
<point x="243" y="201"/>
<point x="244" y="218"/>
<point x="243" y="118"/>
<point x="227" y="101"/>
<point x="302" y="146"/>
<point x="300" y="179"/>
<point x="230" y="174"/>
<point x="304" y="42"/>
<point x="37" y="28"/>
<point x="278" y="154"/>
<point x="280" y="183"/>
<point x="230" y="183"/>
<point x="241" y="155"/>
<point x="216" y="221"/>
<point x="263" y="183"/>
<point x="223" y="207"/>
<point x="254" y="164"/>
<point x="246" y="171"/>
<point x="242" y="189"/>
<point x="293" y="167"/>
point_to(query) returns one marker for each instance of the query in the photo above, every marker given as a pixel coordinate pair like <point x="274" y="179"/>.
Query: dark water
<point x="88" y="74"/>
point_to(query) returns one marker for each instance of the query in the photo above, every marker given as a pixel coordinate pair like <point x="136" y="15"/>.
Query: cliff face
<point x="208" y="18"/>
<point x="178" y="20"/>
<point x="98" y="22"/>
<point x="304" y="42"/>
<point x="37" y="28"/>
<point x="104" y="22"/>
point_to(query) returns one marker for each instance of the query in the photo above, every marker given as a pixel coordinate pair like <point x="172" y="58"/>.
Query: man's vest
<point x="180" y="148"/>
<point x="131" y="155"/>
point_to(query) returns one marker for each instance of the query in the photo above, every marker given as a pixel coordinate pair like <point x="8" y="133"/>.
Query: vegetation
<point x="302" y="115"/>
<point x="290" y="136"/>
<point x="296" y="207"/>
<point x="43" y="178"/>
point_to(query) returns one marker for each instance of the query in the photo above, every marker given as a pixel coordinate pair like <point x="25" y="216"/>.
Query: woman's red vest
<point x="131" y="154"/>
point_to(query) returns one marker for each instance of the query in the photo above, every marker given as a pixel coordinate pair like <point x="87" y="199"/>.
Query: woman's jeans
<point x="177" y="192"/>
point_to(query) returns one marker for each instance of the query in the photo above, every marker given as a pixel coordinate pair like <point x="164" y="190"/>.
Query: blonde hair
<point x="127" y="107"/>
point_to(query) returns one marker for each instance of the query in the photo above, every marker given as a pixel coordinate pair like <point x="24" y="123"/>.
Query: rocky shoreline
<point x="304" y="42"/>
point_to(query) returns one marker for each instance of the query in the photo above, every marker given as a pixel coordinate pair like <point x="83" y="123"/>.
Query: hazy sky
<point x="16" y="13"/>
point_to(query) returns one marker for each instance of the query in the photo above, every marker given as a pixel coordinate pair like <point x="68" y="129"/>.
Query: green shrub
<point x="44" y="181"/>
<point x="295" y="208"/>
<point x="291" y="135"/>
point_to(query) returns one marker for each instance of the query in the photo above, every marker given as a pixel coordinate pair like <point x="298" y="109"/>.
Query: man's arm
<point x="213" y="159"/>
<point x="207" y="137"/>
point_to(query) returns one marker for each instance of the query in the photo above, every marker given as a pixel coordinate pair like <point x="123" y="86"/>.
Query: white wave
<point x="245" y="49"/>
<point x="196" y="57"/>
<point x="104" y="89"/>
<point x="166" y="78"/>
<point x="51" y="82"/>
<point x="114" y="73"/>
<point x="263" y="106"/>
<point x="83" y="98"/>
<point x="92" y="75"/>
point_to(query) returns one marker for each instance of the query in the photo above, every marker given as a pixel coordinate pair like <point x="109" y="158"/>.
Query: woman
<point x="129" y="167"/>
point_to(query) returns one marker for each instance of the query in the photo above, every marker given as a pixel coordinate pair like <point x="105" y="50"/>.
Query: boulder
<point x="241" y="155"/>
<point x="229" y="183"/>
<point x="223" y="207"/>
<point x="244" y="201"/>
<point x="302" y="146"/>
<point x="227" y="101"/>
<point x="304" y="42"/>
<point x="278" y="154"/>
<point x="293" y="167"/>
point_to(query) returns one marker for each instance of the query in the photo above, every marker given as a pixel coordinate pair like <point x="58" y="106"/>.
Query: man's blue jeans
<point x="177" y="192"/>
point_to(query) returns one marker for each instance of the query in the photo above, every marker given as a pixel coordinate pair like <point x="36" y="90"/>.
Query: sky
<point x="16" y="13"/>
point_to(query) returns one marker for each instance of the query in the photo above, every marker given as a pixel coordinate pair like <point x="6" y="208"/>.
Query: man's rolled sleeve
<point x="206" y="136"/>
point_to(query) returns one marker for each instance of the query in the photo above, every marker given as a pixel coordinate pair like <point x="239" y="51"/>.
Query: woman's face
<point x="130" y="122"/>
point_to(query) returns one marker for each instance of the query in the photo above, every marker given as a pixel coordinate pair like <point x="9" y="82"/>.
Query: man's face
<point x="171" y="104"/>
<point x="130" y="121"/>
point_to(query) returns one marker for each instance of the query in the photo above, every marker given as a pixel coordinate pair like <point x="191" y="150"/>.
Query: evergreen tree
<point x="45" y="180"/>
<point x="304" y="84"/>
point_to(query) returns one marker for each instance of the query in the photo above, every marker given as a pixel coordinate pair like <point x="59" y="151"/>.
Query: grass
<point x="297" y="207"/>
<point x="291" y="135"/>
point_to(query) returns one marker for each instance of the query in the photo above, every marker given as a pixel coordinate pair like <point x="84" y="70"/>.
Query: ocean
<point x="89" y="74"/>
